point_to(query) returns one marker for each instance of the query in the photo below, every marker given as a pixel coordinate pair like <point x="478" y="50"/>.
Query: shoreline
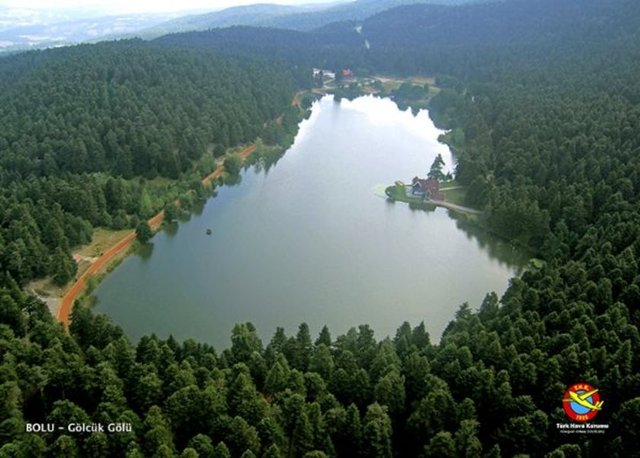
<point x="117" y="251"/>
<point x="68" y="300"/>
<point x="396" y="197"/>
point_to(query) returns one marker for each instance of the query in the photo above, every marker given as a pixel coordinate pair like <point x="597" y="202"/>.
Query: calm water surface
<point x="314" y="240"/>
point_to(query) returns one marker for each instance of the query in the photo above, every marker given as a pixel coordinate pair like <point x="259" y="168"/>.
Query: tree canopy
<point x="549" y="152"/>
<point x="87" y="130"/>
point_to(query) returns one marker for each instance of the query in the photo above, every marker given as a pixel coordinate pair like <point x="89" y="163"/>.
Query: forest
<point x="91" y="135"/>
<point x="551" y="153"/>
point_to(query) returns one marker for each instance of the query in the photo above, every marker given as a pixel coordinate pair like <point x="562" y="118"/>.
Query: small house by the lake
<point x="428" y="188"/>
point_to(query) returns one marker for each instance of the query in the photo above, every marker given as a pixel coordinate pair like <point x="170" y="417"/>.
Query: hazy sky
<point x="129" y="6"/>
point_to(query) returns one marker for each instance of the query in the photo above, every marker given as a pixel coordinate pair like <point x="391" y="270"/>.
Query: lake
<point x="314" y="240"/>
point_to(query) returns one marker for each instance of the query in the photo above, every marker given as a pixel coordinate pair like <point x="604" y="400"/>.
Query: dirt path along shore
<point x="66" y="304"/>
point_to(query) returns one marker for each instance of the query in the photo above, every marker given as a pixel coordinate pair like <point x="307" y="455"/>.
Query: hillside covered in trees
<point x="550" y="152"/>
<point x="290" y="17"/>
<point x="86" y="130"/>
<point x="491" y="387"/>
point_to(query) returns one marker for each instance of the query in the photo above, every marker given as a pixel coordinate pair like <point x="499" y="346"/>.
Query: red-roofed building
<point x="429" y="188"/>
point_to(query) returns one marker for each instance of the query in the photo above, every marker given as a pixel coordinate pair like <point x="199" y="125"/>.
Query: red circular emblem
<point x="581" y="402"/>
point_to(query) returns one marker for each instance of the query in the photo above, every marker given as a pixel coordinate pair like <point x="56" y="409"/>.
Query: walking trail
<point x="66" y="304"/>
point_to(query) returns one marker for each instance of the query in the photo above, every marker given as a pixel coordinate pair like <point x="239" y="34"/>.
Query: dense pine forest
<point x="547" y="137"/>
<point x="89" y="132"/>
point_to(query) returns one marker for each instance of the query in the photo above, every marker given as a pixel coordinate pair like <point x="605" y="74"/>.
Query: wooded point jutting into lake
<point x="333" y="289"/>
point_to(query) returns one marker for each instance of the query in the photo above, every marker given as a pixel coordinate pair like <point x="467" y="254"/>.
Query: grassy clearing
<point x="102" y="240"/>
<point x="453" y="192"/>
<point x="390" y="83"/>
<point x="455" y="196"/>
<point x="46" y="288"/>
<point x="422" y="80"/>
<point x="390" y="86"/>
<point x="395" y="82"/>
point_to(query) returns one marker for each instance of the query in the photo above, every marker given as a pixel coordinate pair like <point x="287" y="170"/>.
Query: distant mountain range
<point x="36" y="30"/>
<point x="305" y="17"/>
<point x="262" y="14"/>
<point x="414" y="38"/>
<point x="22" y="29"/>
<point x="14" y="17"/>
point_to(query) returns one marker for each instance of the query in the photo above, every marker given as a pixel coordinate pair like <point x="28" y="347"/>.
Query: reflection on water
<point x="145" y="250"/>
<point x="497" y="248"/>
<point x="314" y="240"/>
<point x="198" y="207"/>
<point x="422" y="206"/>
<point x="171" y="229"/>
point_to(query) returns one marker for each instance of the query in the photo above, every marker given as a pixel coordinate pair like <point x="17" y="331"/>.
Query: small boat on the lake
<point x="208" y="231"/>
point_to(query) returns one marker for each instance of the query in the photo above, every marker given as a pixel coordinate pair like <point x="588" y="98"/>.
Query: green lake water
<point x="313" y="239"/>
